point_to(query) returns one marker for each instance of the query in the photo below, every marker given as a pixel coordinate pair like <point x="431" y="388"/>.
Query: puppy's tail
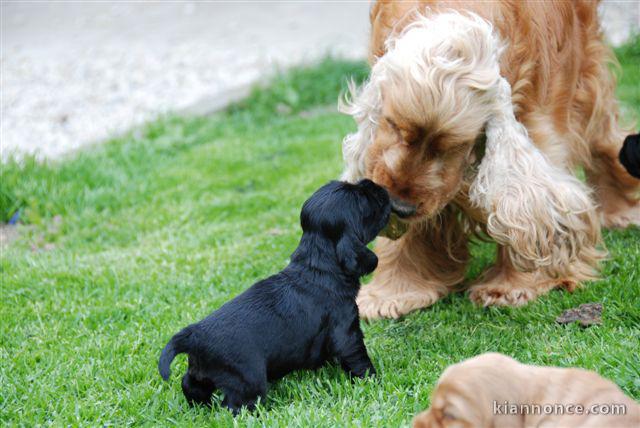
<point x="178" y="344"/>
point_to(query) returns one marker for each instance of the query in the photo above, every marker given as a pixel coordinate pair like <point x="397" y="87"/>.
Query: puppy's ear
<point x="542" y="213"/>
<point x="354" y="256"/>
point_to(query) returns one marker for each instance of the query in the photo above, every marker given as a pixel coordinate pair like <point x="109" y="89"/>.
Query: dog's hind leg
<point x="597" y="120"/>
<point x="197" y="391"/>
<point x="242" y="389"/>
<point x="617" y="191"/>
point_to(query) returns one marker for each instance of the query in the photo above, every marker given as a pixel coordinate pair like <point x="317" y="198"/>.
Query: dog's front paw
<point x="379" y="303"/>
<point x="505" y="286"/>
<point x="498" y="295"/>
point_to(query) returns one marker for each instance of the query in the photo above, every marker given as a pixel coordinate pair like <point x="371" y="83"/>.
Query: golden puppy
<point x="493" y="390"/>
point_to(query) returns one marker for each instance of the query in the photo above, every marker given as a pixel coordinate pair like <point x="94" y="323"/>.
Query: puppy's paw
<point x="375" y="303"/>
<point x="363" y="373"/>
<point x="369" y="372"/>
<point x="235" y="407"/>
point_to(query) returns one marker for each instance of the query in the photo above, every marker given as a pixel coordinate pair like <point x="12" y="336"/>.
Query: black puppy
<point x="630" y="155"/>
<point x="298" y="318"/>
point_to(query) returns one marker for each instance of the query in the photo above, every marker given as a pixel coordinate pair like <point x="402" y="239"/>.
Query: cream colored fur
<point x="440" y="127"/>
<point x="543" y="214"/>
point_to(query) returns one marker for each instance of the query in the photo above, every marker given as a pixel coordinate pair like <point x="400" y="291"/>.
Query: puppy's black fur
<point x="630" y="155"/>
<point x="298" y="318"/>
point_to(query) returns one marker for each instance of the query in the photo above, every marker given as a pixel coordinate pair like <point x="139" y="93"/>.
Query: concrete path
<point x="75" y="73"/>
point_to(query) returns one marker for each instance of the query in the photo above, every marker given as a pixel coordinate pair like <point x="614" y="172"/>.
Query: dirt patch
<point x="8" y="234"/>
<point x="586" y="315"/>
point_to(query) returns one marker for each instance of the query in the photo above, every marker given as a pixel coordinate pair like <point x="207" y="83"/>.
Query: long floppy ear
<point x="354" y="256"/>
<point x="543" y="214"/>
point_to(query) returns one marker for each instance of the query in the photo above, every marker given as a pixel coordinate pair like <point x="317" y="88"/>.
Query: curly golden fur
<point x="493" y="390"/>
<point x="478" y="114"/>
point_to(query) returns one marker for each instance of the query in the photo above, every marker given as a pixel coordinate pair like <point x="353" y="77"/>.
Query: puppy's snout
<point x="402" y="208"/>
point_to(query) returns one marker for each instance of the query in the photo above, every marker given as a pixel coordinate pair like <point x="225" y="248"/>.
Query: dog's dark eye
<point x="392" y="124"/>
<point x="412" y="136"/>
<point x="447" y="415"/>
<point x="408" y="134"/>
<point x="445" y="146"/>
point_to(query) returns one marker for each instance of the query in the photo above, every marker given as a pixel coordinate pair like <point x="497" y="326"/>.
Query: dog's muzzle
<point x="402" y="209"/>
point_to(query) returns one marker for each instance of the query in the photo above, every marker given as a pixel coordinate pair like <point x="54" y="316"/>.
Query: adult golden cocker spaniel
<point x="475" y="117"/>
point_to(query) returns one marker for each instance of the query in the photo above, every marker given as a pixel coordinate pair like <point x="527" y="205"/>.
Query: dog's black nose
<point x="402" y="208"/>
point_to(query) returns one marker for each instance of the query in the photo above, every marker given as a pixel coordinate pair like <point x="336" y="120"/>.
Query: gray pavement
<point x="75" y="73"/>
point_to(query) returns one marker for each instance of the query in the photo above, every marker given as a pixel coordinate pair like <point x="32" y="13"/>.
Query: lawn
<point x="122" y="246"/>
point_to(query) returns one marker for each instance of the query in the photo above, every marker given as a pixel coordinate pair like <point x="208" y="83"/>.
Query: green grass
<point x="126" y="244"/>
